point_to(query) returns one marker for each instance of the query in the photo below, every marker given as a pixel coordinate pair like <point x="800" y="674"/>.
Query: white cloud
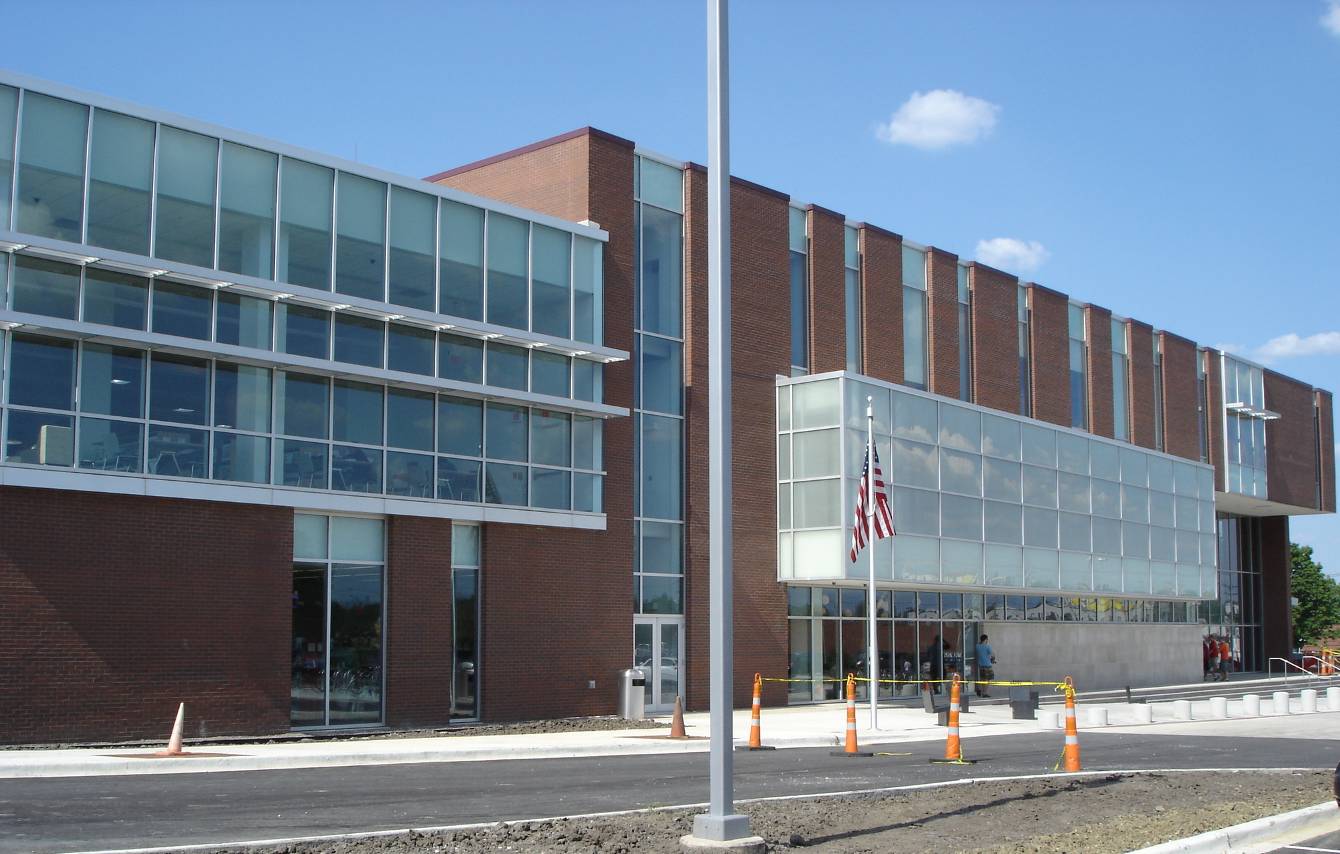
<point x="1293" y="345"/>
<point x="939" y="118"/>
<point x="1330" y="19"/>
<point x="1012" y="254"/>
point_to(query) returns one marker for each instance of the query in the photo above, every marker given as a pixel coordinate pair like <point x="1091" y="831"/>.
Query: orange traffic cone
<point x="852" y="749"/>
<point x="174" y="740"/>
<point x="677" y="721"/>
<point x="953" y="748"/>
<point x="756" y="715"/>
<point x="1071" y="753"/>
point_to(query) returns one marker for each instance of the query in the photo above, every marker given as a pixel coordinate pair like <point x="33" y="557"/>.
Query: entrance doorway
<point x="658" y="653"/>
<point x="337" y="660"/>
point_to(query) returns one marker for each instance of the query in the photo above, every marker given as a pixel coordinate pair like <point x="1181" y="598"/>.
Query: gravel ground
<point x="1112" y="813"/>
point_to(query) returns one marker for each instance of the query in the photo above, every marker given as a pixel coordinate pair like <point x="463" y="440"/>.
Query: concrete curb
<point x="1242" y="837"/>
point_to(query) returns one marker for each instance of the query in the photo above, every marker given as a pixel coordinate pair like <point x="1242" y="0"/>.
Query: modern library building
<point x="309" y="445"/>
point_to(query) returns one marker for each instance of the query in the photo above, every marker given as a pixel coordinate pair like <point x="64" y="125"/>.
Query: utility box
<point x="1023" y="703"/>
<point x="632" y="699"/>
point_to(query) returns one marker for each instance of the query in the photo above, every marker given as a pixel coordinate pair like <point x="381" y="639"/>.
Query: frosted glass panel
<point x="356" y="539"/>
<point x="819" y="554"/>
<point x="309" y="536"/>
<point x="816" y="404"/>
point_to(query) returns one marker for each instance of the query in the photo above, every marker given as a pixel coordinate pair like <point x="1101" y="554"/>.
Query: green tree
<point x="1317" y="596"/>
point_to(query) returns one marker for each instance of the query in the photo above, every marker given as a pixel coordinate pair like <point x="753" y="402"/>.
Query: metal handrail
<point x="1288" y="664"/>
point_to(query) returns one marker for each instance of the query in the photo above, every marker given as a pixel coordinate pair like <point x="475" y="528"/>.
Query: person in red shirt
<point x="1225" y="659"/>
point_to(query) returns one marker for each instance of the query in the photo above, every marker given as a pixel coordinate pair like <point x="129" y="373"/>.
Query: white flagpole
<point x="872" y="654"/>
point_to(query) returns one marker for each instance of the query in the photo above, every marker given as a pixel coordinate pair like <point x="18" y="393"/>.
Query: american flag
<point x="883" y="521"/>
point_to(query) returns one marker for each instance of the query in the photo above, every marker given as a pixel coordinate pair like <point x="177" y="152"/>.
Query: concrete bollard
<point x="1048" y="720"/>
<point x="1096" y="717"/>
<point x="1281" y="702"/>
<point x="1219" y="707"/>
<point x="1333" y="698"/>
<point x="1181" y="710"/>
<point x="1144" y="713"/>
<point x="1251" y="705"/>
<point x="1308" y="698"/>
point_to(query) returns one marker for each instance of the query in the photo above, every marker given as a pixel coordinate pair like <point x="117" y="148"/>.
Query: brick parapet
<point x="1102" y="407"/>
<point x="995" y="333"/>
<point x="827" y="290"/>
<point x="882" y="303"/>
<point x="1050" y="363"/>
<point x="1142" y="384"/>
<point x="1181" y="392"/>
<point x="942" y="322"/>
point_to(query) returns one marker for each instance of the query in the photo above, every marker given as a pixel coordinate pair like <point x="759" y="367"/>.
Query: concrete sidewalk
<point x="821" y="725"/>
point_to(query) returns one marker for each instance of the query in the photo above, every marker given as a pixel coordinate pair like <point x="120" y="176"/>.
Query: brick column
<point x="827" y="308"/>
<point x="696" y="570"/>
<point x="995" y="338"/>
<point x="942" y="299"/>
<point x="1327" y="452"/>
<point x="1181" y="388"/>
<point x="1050" y="364"/>
<point x="1142" y="384"/>
<point x="1291" y="442"/>
<point x="1276" y="610"/>
<point x="1101" y="410"/>
<point x="882" y="303"/>
<point x="419" y="639"/>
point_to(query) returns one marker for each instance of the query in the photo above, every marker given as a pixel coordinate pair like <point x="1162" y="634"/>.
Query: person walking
<point x="1225" y="658"/>
<point x="986" y="670"/>
<point x="1210" y="654"/>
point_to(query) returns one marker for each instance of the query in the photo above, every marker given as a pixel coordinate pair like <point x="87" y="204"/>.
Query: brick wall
<point x="1099" y="322"/>
<point x="549" y="176"/>
<point x="1181" y="390"/>
<point x="1291" y="442"/>
<point x="418" y="621"/>
<point x="1142" y="384"/>
<point x="882" y="303"/>
<point x="942" y="345"/>
<point x="1276" y="611"/>
<point x="827" y="273"/>
<point x="1327" y="440"/>
<point x="1050" y="364"/>
<point x="995" y="338"/>
<point x="114" y="609"/>
<point x="695" y="435"/>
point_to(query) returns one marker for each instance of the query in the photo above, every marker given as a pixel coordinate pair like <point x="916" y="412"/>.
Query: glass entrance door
<point x="658" y="653"/>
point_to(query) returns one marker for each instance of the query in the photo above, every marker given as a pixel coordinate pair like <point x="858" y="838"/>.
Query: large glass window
<point x="115" y="299"/>
<point x="460" y="358"/>
<point x="461" y="260"/>
<point x="359" y="340"/>
<point x="303" y="331"/>
<point x="507" y="366"/>
<point x="410" y="349"/>
<point x="182" y="310"/>
<point x="1120" y="410"/>
<point x="247" y="211"/>
<point x="302" y="405"/>
<point x="465" y="561"/>
<point x="587" y="290"/>
<point x="360" y="250"/>
<point x="242" y="320"/>
<point x="551" y="290"/>
<point x="914" y="317"/>
<point x="9" y="102"/>
<point x="1079" y="370"/>
<point x="661" y="252"/>
<point x="41" y="372"/>
<point x="111" y="381"/>
<point x="179" y="389"/>
<point x="45" y="287"/>
<point x="187" y="172"/>
<point x="50" y="199"/>
<point x="305" y="223"/>
<point x="507" y="245"/>
<point x="357" y="413"/>
<point x="800" y="292"/>
<point x="662" y="375"/>
<point x="242" y="397"/>
<point x="120" y="182"/>
<point x="411" y="231"/>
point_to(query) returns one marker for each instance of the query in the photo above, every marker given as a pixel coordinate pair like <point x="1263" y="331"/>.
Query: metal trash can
<point x="632" y="700"/>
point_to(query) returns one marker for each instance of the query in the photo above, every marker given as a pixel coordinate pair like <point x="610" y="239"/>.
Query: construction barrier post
<point x="1071" y="753"/>
<point x="174" y="740"/>
<point x="852" y="748"/>
<point x="756" y="715"/>
<point x="953" y="747"/>
<point x="677" y="720"/>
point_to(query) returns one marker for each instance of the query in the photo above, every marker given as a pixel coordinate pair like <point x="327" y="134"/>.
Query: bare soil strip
<point x="1109" y="813"/>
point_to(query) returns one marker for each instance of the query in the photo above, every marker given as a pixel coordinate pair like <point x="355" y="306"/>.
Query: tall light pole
<point x="720" y="823"/>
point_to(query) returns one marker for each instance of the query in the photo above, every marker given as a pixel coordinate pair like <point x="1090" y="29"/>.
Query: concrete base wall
<point x="1097" y="655"/>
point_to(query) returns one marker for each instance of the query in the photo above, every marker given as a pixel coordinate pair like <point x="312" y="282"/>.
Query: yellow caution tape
<point x="1061" y="687"/>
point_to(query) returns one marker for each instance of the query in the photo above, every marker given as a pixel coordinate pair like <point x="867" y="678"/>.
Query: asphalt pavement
<point x="66" y="814"/>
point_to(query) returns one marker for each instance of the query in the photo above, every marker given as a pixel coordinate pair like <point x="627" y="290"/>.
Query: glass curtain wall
<point x="1246" y="416"/>
<point x="1079" y="369"/>
<point x="800" y="292"/>
<point x="658" y="572"/>
<point x="130" y="184"/>
<point x="339" y="565"/>
<point x="466" y="598"/>
<point x="915" y="329"/>
<point x="1121" y="416"/>
<point x="852" y="286"/>
<point x="964" y="334"/>
<point x="1237" y="611"/>
<point x="1025" y="352"/>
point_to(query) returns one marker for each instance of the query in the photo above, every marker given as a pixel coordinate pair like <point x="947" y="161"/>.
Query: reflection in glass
<point x="549" y="373"/>
<point x="303" y="331"/>
<point x="357" y="413"/>
<point x="551" y="287"/>
<point x="464" y="625"/>
<point x="460" y="359"/>
<point x="507" y="366"/>
<point x="461" y="261"/>
<point x="355" y="469"/>
<point x="115" y="299"/>
<point x="41" y="372"/>
<point x="110" y="445"/>
<point x="550" y="488"/>
<point x="111" y="381"/>
<point x="247" y="210"/>
<point x="184" y="222"/>
<point x="409" y="419"/>
<point x="307" y="699"/>
<point x="301" y="463"/>
<point x="182" y="310"/>
<point x="360" y="251"/>
<point x="458" y="480"/>
<point x="411" y="262"/>
<point x="507" y="243"/>
<point x="50" y="199"/>
<point x="410" y="349"/>
<point x="409" y="474"/>
<point x="243" y="321"/>
<point x="305" y="223"/>
<point x="178" y="451"/>
<point x="460" y="426"/>
<point x="45" y="287"/>
<point x="178" y="391"/>
<point x="241" y="458"/>
<point x="120" y="181"/>
<point x="505" y="484"/>
<point x="242" y="397"/>
<point x="661" y="253"/>
<point x="302" y="405"/>
<point x="355" y="644"/>
<point x="359" y="340"/>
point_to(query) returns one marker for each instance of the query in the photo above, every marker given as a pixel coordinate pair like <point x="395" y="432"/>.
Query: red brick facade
<point x="1214" y="391"/>
<point x="882" y="303"/>
<point x="995" y="344"/>
<point x="1099" y="324"/>
<point x="827" y="274"/>
<point x="1181" y="390"/>
<point x="942" y="343"/>
<point x="114" y="609"/>
<point x="1291" y="442"/>
<point x="418" y="627"/>
<point x="1326" y="450"/>
<point x="1049" y="330"/>
<point x="1276" y="563"/>
<point x="1142" y="385"/>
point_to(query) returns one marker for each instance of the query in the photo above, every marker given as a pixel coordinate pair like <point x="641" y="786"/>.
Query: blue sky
<point x="1178" y="163"/>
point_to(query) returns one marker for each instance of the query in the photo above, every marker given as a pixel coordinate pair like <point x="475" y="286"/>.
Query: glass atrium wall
<point x="1245" y="417"/>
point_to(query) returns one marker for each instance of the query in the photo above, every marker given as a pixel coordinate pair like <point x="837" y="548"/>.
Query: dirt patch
<point x="1110" y="813"/>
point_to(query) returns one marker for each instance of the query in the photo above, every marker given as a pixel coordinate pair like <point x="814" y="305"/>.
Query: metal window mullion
<point x="88" y="169"/>
<point x="437" y="265"/>
<point x="153" y="193"/>
<point x="218" y="196"/>
<point x="530" y="275"/>
<point x="334" y="229"/>
<point x="12" y="215"/>
<point x="484" y="265"/>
